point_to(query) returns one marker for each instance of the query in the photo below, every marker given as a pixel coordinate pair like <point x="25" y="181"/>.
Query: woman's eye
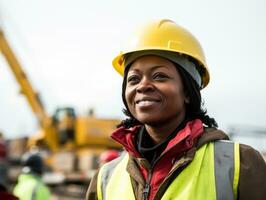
<point x="133" y="79"/>
<point x="160" y="76"/>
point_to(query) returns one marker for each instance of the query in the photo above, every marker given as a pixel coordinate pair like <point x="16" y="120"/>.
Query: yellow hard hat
<point x="165" y="36"/>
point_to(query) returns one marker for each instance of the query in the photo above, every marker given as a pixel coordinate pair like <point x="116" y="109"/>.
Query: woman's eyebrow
<point x="158" y="67"/>
<point x="153" y="68"/>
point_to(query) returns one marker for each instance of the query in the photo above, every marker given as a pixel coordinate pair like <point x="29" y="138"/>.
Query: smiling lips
<point x="146" y="102"/>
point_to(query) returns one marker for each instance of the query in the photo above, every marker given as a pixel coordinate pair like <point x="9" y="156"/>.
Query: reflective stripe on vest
<point x="212" y="174"/>
<point x="226" y="160"/>
<point x="35" y="190"/>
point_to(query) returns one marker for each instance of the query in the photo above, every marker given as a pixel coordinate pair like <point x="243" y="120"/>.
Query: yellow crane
<point x="28" y="91"/>
<point x="63" y="131"/>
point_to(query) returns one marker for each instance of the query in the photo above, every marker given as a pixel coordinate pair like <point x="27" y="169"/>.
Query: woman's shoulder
<point x="211" y="135"/>
<point x="247" y="152"/>
<point x="251" y="157"/>
<point x="252" y="177"/>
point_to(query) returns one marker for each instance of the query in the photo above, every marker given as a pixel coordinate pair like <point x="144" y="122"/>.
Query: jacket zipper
<point x="147" y="187"/>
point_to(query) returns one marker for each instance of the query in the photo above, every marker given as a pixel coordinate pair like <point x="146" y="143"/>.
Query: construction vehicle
<point x="73" y="143"/>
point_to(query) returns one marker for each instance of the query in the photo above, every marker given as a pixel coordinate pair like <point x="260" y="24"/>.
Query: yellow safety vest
<point x="213" y="174"/>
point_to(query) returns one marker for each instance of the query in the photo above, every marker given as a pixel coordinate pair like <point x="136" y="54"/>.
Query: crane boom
<point x="24" y="83"/>
<point x="83" y="138"/>
<point x="47" y="129"/>
<point x="62" y="130"/>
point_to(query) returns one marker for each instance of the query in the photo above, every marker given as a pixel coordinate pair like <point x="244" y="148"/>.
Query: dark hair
<point x="194" y="109"/>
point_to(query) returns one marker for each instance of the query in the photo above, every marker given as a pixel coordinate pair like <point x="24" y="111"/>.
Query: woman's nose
<point x="144" y="85"/>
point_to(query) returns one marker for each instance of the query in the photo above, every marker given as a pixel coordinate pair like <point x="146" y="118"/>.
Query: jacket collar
<point x="189" y="134"/>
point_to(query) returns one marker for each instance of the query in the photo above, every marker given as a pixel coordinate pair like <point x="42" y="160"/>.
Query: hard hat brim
<point x="119" y="64"/>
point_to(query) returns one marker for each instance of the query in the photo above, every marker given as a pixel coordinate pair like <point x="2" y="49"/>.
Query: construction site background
<point x="70" y="143"/>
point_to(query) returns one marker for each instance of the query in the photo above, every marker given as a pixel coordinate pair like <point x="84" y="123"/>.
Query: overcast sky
<point x="66" y="48"/>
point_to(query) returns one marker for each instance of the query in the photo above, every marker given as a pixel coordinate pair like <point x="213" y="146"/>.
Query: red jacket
<point x="182" y="142"/>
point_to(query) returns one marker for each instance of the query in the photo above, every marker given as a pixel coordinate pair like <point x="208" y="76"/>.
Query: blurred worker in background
<point x="108" y="156"/>
<point x="4" y="193"/>
<point x="30" y="185"/>
<point x="174" y="149"/>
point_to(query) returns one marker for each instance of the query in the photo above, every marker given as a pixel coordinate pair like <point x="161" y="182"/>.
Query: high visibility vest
<point x="213" y="174"/>
<point x="31" y="187"/>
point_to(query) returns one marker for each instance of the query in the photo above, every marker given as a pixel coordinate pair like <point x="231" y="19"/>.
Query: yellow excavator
<point x="73" y="142"/>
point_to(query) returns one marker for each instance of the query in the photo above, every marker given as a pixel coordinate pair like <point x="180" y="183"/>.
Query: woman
<point x="173" y="149"/>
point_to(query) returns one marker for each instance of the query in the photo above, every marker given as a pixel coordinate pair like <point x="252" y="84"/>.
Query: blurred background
<point x="65" y="48"/>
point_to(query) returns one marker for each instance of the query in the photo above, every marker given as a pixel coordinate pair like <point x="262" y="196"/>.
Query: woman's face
<point x="154" y="91"/>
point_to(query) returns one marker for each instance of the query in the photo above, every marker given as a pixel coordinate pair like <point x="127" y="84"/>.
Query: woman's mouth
<point x="146" y="103"/>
